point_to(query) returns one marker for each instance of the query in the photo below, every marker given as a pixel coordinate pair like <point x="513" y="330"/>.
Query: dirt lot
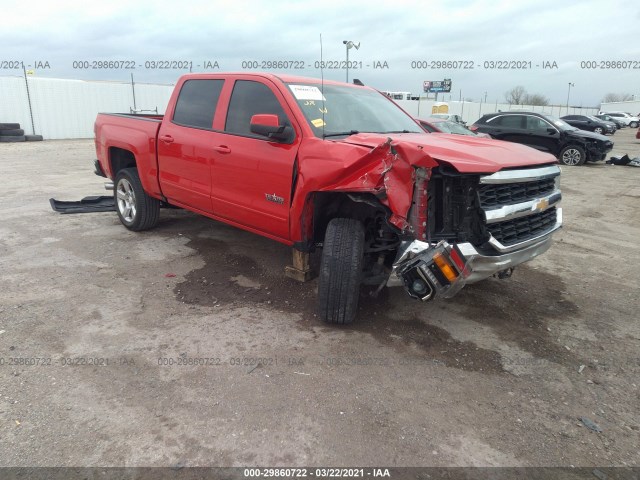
<point x="497" y="376"/>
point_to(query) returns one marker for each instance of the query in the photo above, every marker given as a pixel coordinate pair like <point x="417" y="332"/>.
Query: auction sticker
<point x="306" y="92"/>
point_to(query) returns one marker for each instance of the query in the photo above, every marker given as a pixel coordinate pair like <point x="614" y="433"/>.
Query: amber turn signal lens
<point x="445" y="267"/>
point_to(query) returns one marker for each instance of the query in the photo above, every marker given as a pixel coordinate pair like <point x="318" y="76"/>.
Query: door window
<point x="535" y="123"/>
<point x="197" y="103"/>
<point x="247" y="99"/>
<point x="510" y="121"/>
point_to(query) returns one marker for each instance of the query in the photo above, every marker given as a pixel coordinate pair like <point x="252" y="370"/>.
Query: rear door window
<point x="510" y="121"/>
<point x="197" y="103"/>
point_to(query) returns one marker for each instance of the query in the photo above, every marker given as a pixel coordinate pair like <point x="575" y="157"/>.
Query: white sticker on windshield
<point x="306" y="92"/>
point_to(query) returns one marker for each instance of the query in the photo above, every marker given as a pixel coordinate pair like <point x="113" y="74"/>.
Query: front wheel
<point x="633" y="124"/>
<point x="137" y="210"/>
<point x="598" y="130"/>
<point x="341" y="270"/>
<point x="572" y="156"/>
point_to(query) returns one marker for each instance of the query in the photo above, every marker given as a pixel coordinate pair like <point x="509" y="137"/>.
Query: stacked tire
<point x="11" y="132"/>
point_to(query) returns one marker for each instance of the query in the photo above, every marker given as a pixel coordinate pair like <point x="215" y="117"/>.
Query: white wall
<point x="472" y="111"/>
<point x="68" y="108"/>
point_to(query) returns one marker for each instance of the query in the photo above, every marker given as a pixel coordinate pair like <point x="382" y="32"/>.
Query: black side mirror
<point x="268" y="126"/>
<point x="551" y="131"/>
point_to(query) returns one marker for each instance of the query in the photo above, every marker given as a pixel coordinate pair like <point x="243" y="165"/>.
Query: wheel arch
<point x="362" y="206"/>
<point x="119" y="159"/>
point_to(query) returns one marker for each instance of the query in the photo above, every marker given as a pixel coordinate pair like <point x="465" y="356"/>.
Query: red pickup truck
<point x="322" y="164"/>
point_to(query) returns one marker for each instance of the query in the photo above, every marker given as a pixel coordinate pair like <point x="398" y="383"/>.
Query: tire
<point x="9" y="126"/>
<point x="12" y="139"/>
<point x="341" y="271"/>
<point x="137" y="210"/>
<point x="572" y="155"/>
<point x="33" y="138"/>
<point x="633" y="124"/>
<point x="13" y="132"/>
<point x="599" y="130"/>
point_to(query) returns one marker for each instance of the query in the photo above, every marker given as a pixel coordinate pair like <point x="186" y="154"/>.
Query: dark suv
<point x="615" y="121"/>
<point x="546" y="133"/>
<point x="589" y="123"/>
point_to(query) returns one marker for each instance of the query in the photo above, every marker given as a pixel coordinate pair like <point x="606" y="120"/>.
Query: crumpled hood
<point x="465" y="153"/>
<point x="385" y="165"/>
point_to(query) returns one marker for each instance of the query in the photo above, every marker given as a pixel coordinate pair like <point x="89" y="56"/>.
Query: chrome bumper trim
<point x="484" y="266"/>
<point x="517" y="176"/>
<point x="509" y="212"/>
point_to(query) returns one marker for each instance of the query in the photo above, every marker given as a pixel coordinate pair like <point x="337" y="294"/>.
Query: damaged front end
<point x="428" y="270"/>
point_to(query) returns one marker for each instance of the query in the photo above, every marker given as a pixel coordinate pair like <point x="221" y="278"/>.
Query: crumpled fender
<point x="386" y="171"/>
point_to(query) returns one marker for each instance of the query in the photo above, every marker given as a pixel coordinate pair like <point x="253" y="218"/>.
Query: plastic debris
<point x="169" y="275"/>
<point x="590" y="425"/>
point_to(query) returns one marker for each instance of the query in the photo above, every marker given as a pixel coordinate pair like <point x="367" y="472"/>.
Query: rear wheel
<point x="633" y="124"/>
<point x="572" y="155"/>
<point x="137" y="210"/>
<point x="341" y="270"/>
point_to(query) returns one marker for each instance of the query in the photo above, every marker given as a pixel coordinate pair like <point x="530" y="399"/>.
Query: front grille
<point x="496" y="195"/>
<point x="524" y="228"/>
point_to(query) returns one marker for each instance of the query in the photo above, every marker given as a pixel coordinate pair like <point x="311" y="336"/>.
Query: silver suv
<point x="624" y="117"/>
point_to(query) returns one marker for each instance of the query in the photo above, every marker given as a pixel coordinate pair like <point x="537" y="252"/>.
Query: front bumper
<point x="597" y="153"/>
<point x="416" y="256"/>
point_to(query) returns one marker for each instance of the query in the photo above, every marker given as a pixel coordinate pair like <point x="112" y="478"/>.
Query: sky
<point x="485" y="47"/>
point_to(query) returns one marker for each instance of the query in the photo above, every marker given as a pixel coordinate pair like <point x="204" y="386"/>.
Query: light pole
<point x="568" y="93"/>
<point x="349" y="44"/>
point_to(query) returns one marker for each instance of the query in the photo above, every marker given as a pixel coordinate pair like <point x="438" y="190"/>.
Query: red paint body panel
<point x="227" y="176"/>
<point x="136" y="135"/>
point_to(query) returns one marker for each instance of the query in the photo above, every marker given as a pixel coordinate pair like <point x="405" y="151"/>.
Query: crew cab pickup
<point x="321" y="164"/>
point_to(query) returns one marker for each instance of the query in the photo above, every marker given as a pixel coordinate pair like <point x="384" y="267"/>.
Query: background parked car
<point x="607" y="118"/>
<point x="544" y="132"/>
<point x="626" y="118"/>
<point x="589" y="123"/>
<point x="441" y="125"/>
<point x="450" y="117"/>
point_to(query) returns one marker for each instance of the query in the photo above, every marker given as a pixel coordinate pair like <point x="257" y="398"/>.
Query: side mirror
<point x="267" y="125"/>
<point x="551" y="131"/>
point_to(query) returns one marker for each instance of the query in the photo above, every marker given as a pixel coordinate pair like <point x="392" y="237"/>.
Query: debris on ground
<point x="590" y="425"/>
<point x="624" y="160"/>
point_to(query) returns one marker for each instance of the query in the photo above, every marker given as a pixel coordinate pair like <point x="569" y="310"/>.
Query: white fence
<point x="60" y="108"/>
<point x="68" y="108"/>
<point x="472" y="111"/>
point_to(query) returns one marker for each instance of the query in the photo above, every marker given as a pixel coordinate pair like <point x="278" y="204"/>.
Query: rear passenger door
<point x="509" y="127"/>
<point x="184" y="145"/>
<point x="252" y="175"/>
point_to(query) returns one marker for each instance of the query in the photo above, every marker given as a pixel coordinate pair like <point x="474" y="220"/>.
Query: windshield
<point x="341" y="110"/>
<point x="452" y="127"/>
<point x="561" y="124"/>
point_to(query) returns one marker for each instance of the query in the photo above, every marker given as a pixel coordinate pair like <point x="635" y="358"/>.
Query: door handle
<point x="222" y="149"/>
<point x="166" y="138"/>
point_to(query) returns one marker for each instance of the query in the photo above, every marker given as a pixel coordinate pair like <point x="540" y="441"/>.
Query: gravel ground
<point x="186" y="345"/>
